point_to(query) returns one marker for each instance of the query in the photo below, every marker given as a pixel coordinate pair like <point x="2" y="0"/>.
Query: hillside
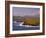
<point x="27" y="20"/>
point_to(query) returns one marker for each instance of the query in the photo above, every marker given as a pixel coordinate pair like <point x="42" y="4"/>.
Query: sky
<point x="22" y="11"/>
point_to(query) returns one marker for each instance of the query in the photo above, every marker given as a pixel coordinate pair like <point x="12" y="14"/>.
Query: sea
<point x="19" y="26"/>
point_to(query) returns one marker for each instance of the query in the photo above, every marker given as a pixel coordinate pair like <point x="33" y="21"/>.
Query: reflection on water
<point x="19" y="26"/>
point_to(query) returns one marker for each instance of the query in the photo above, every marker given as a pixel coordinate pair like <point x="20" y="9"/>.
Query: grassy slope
<point x="31" y="21"/>
<point x="28" y="21"/>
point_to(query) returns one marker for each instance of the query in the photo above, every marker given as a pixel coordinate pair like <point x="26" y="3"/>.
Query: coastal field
<point x="26" y="23"/>
<point x="34" y="21"/>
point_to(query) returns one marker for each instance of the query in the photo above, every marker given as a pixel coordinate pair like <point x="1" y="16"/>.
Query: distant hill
<point x="18" y="18"/>
<point x="24" y="17"/>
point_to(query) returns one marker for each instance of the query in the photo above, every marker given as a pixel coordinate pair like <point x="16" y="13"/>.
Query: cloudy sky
<point x="21" y="11"/>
